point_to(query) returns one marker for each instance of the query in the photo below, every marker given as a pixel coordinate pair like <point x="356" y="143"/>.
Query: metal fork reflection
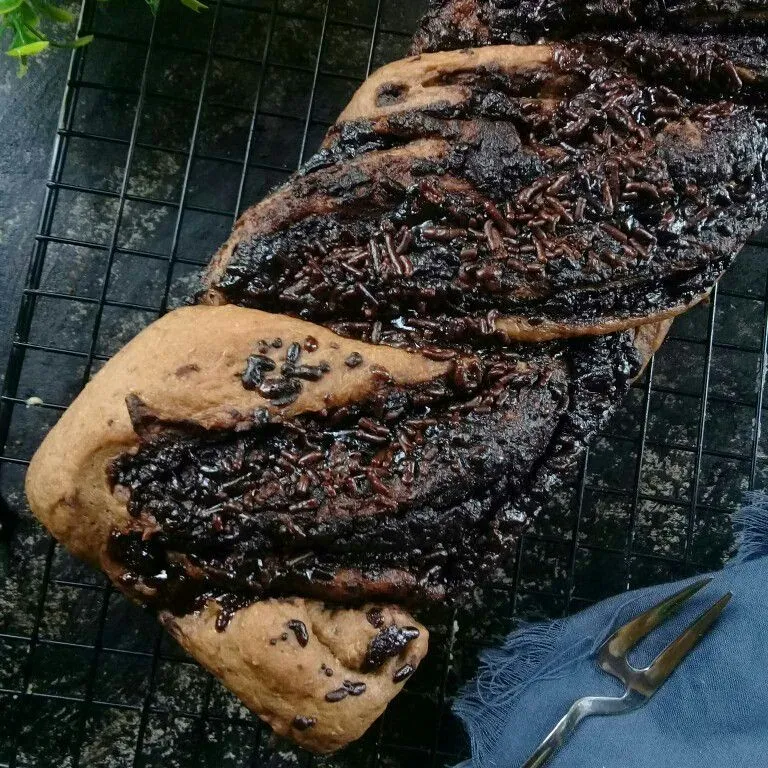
<point x="641" y="684"/>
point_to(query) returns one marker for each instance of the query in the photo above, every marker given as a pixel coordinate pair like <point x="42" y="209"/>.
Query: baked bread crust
<point x="285" y="681"/>
<point x="186" y="369"/>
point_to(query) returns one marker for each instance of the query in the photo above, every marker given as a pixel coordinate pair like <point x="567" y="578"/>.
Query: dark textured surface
<point x="628" y="196"/>
<point x="29" y="112"/>
<point x="653" y="503"/>
<point x="412" y="495"/>
<point x="455" y="23"/>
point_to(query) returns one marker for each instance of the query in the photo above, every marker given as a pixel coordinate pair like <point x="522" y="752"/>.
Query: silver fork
<point x="640" y="684"/>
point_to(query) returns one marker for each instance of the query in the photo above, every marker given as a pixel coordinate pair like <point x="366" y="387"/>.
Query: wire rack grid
<point x="170" y="126"/>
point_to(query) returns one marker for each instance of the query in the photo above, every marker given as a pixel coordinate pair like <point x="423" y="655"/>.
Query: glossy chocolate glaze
<point x="453" y="24"/>
<point x="703" y="67"/>
<point x="404" y="496"/>
<point x="621" y="198"/>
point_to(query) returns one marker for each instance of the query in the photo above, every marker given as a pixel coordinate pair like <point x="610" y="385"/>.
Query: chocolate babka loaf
<point x="401" y="353"/>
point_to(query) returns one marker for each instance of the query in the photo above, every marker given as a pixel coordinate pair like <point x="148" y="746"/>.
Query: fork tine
<point x="627" y="637"/>
<point x="671" y="657"/>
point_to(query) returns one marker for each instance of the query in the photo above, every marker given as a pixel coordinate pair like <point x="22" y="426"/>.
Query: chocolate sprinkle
<point x="294" y="353"/>
<point x="301" y="723"/>
<point x="256" y="367"/>
<point x="403" y="673"/>
<point x="355" y="689"/>
<point x="386" y="644"/>
<point x="300" y="630"/>
<point x="281" y="391"/>
<point x="354" y="360"/>
<point x="375" y="617"/>
<point x="337" y="695"/>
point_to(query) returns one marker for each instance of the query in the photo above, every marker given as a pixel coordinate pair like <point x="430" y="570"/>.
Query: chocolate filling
<point x="404" y="496"/>
<point x="454" y="24"/>
<point x="587" y="191"/>
<point x="388" y="643"/>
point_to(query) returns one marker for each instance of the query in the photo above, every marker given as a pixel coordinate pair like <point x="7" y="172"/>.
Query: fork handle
<point x="557" y="736"/>
<point x="589" y="705"/>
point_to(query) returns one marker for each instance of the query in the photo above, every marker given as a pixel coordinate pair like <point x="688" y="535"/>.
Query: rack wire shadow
<point x="170" y="126"/>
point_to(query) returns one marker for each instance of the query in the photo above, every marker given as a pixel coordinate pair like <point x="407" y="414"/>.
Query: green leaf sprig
<point x="21" y="19"/>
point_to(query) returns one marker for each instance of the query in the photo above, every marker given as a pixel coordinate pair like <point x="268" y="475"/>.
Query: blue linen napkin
<point x="712" y="712"/>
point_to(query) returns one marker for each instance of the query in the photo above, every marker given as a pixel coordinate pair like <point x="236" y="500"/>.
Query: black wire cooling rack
<point x="169" y="126"/>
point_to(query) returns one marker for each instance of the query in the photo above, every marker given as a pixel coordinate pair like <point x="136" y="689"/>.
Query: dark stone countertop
<point x="29" y="112"/>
